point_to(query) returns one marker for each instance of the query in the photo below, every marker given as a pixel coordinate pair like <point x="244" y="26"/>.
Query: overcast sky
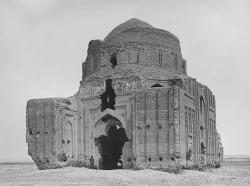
<point x="44" y="42"/>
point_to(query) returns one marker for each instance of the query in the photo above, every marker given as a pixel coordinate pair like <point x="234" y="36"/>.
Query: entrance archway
<point x="110" y="139"/>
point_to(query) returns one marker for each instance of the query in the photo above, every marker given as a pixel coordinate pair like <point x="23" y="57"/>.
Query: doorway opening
<point x="110" y="145"/>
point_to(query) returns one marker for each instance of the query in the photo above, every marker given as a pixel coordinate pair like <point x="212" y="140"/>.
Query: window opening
<point x="113" y="60"/>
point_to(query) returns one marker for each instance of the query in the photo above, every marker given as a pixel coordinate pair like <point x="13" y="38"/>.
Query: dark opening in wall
<point x="202" y="104"/>
<point x="160" y="158"/>
<point x="189" y="154"/>
<point x="203" y="148"/>
<point x="149" y="159"/>
<point x="201" y="128"/>
<point x="110" y="147"/>
<point x="113" y="60"/>
<point x="156" y="85"/>
<point x="108" y="97"/>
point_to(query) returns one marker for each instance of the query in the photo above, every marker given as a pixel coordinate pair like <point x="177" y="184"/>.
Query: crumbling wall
<point x="169" y="118"/>
<point x="45" y="131"/>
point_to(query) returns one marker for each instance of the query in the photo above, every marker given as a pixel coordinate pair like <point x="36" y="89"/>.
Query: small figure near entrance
<point x="100" y="163"/>
<point x="92" y="162"/>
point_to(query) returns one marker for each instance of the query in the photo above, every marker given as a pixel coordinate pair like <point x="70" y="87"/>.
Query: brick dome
<point x="131" y="23"/>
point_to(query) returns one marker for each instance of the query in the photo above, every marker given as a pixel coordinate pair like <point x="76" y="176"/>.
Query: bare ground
<point x="27" y="174"/>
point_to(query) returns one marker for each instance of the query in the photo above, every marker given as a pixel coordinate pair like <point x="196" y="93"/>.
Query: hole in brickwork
<point x="156" y="85"/>
<point x="113" y="60"/>
<point x="201" y="128"/>
<point x="148" y="127"/>
<point x="129" y="159"/>
<point x="134" y="159"/>
<point x="172" y="158"/>
<point x="108" y="97"/>
<point x="149" y="159"/>
<point x="160" y="158"/>
<point x="62" y="157"/>
<point x="30" y="132"/>
<point x="68" y="142"/>
<point x="63" y="141"/>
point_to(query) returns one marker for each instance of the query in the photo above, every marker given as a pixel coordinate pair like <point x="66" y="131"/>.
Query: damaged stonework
<point x="135" y="108"/>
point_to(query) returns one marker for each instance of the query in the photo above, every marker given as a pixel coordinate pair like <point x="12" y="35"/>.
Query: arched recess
<point x="202" y="104"/>
<point x="102" y="125"/>
<point x="99" y="115"/>
<point x="156" y="85"/>
<point x="109" y="137"/>
<point x="68" y="139"/>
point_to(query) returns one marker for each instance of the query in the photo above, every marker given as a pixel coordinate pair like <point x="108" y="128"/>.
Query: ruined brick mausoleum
<point x="136" y="107"/>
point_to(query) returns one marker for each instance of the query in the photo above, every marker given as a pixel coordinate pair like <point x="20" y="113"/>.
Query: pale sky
<point x="44" y="42"/>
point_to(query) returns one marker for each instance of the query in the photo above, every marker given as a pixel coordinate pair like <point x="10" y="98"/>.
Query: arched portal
<point x="110" y="137"/>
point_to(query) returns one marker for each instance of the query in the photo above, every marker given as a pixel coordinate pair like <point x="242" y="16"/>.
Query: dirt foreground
<point x="28" y="174"/>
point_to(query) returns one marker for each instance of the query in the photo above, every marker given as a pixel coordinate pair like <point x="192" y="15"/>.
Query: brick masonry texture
<point x="169" y="117"/>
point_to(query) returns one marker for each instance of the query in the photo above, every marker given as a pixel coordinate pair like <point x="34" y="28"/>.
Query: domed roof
<point x="132" y="23"/>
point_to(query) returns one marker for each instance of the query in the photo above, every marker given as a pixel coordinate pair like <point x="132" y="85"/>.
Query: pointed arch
<point x="156" y="85"/>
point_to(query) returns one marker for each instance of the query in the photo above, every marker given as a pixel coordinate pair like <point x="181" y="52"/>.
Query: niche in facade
<point x="189" y="154"/>
<point x="108" y="97"/>
<point x="203" y="148"/>
<point x="202" y="104"/>
<point x="113" y="60"/>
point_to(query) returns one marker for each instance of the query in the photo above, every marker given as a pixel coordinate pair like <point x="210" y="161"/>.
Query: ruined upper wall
<point x="135" y="42"/>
